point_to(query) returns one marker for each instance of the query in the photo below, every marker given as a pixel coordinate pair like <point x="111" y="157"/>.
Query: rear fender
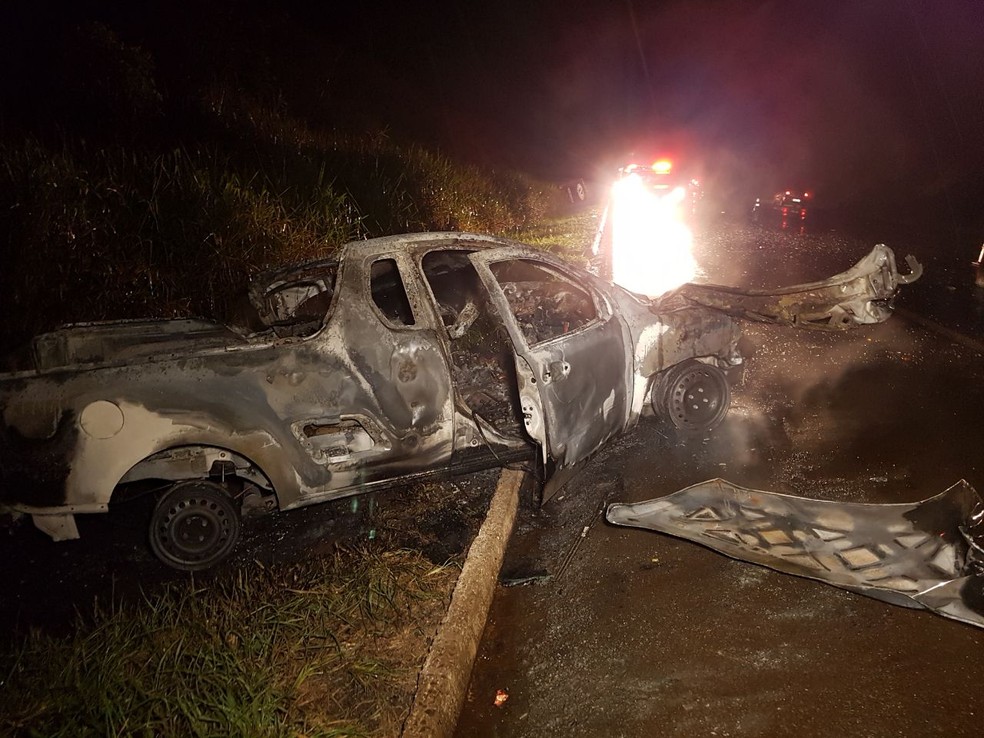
<point x="197" y="462"/>
<point x="149" y="446"/>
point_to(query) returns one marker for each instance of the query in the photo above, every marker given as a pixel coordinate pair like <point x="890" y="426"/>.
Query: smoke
<point x="807" y="393"/>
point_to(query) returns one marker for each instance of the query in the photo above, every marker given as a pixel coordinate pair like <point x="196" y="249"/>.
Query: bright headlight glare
<point x="651" y="247"/>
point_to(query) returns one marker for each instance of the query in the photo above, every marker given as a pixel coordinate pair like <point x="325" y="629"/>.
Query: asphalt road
<point x="625" y="632"/>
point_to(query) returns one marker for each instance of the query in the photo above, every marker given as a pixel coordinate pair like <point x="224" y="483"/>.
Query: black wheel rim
<point x="698" y="400"/>
<point x="194" y="527"/>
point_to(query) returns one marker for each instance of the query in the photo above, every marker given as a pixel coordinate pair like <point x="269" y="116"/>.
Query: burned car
<point x="405" y="358"/>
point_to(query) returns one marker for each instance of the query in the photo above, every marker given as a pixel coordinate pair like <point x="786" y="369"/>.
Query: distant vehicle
<point x="786" y="205"/>
<point x="664" y="180"/>
<point x="575" y="190"/>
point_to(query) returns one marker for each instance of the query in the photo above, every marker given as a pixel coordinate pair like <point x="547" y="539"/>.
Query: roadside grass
<point x="568" y="236"/>
<point x="111" y="233"/>
<point x="104" y="232"/>
<point x="330" y="647"/>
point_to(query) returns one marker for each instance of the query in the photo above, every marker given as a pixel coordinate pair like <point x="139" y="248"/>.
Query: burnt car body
<point x="407" y="357"/>
<point x="861" y="295"/>
<point x="926" y="554"/>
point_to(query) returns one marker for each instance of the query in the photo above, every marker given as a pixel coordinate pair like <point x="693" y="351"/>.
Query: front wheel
<point x="194" y="526"/>
<point x="693" y="396"/>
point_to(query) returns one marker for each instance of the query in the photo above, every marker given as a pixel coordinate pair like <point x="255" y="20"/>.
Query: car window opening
<point x="544" y="304"/>
<point x="298" y="307"/>
<point x="389" y="293"/>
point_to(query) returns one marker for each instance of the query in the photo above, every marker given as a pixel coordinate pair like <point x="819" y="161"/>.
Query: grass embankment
<point x="121" y="231"/>
<point x="331" y="647"/>
<point x="569" y="236"/>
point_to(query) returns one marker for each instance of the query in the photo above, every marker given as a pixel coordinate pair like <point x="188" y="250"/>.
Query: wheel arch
<point x="175" y="446"/>
<point x="197" y="461"/>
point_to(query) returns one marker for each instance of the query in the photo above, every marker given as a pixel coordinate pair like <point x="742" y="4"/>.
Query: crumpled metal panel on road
<point x="924" y="554"/>
<point x="861" y="295"/>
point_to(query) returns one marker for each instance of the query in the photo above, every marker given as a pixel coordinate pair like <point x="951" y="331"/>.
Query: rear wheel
<point x="693" y="396"/>
<point x="194" y="526"/>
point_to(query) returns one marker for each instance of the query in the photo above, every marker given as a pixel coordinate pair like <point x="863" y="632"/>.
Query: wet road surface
<point x="641" y="634"/>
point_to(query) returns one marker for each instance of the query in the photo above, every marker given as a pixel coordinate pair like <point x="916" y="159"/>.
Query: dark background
<point x="876" y="105"/>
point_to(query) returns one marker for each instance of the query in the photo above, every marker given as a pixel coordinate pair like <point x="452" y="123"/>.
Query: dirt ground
<point x="632" y="633"/>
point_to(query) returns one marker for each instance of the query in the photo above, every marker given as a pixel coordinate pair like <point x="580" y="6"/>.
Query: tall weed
<point x="98" y="233"/>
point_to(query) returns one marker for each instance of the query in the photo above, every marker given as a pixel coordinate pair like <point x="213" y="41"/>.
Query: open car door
<point x="572" y="364"/>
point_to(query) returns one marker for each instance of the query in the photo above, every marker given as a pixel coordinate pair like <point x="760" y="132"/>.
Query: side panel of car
<point x="394" y="413"/>
<point x="95" y="426"/>
<point x="364" y="399"/>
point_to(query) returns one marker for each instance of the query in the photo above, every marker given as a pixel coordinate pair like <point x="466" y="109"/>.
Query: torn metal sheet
<point x="924" y="554"/>
<point x="861" y="295"/>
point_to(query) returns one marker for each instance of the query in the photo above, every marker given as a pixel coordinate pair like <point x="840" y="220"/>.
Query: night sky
<point x="846" y="97"/>
<point x="879" y="101"/>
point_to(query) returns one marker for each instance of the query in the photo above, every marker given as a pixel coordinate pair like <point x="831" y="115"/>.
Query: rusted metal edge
<point x="861" y="295"/>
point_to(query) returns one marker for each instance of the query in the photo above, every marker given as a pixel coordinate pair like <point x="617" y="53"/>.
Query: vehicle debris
<point x="859" y="296"/>
<point x="927" y="554"/>
<point x="538" y="577"/>
<point x="578" y="541"/>
<point x="406" y="358"/>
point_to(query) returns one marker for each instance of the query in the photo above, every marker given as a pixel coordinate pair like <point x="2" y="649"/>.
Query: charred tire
<point x="693" y="396"/>
<point x="194" y="526"/>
